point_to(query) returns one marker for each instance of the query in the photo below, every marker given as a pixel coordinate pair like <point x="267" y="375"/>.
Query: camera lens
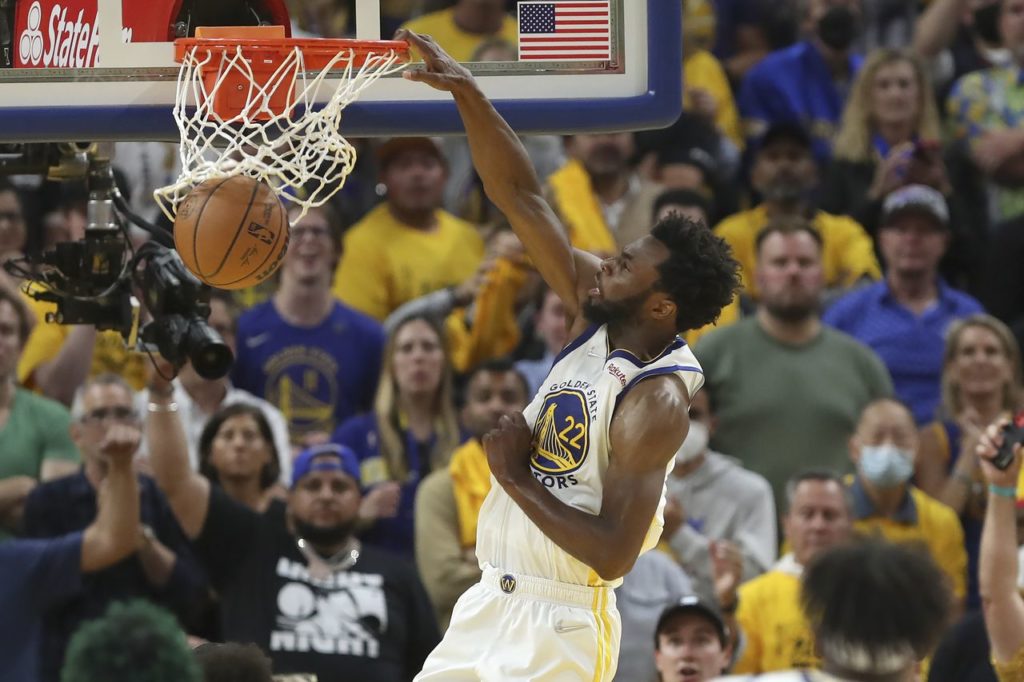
<point x="211" y="358"/>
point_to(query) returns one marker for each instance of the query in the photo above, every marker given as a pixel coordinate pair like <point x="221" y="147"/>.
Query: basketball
<point x="231" y="232"/>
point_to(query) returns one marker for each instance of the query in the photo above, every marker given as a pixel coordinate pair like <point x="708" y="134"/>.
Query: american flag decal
<point x="564" y="30"/>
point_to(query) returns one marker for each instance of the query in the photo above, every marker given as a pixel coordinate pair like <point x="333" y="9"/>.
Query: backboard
<point x="70" y="83"/>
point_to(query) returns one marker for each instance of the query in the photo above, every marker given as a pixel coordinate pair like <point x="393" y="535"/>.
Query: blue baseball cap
<point x="326" y="457"/>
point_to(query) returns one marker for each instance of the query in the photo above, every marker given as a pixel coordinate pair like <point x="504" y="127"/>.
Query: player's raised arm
<point x="508" y="176"/>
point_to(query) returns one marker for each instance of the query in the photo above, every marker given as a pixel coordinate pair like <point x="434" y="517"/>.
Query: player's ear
<point x="664" y="308"/>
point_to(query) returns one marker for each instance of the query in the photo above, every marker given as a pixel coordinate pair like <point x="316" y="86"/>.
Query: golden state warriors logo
<point x="562" y="433"/>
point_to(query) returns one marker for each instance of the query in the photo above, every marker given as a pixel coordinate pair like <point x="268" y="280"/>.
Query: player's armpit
<point x="648" y="428"/>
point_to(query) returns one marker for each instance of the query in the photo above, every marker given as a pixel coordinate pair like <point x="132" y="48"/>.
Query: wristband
<point x="1003" y="491"/>
<point x="160" y="407"/>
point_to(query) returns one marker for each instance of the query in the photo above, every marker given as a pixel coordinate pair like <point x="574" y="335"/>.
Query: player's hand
<point x="508" y="448"/>
<point x="439" y="69"/>
<point x="988" y="446"/>
<point x="120" y="442"/>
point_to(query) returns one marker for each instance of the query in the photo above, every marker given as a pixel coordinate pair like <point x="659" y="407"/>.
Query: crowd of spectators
<point x="317" y="508"/>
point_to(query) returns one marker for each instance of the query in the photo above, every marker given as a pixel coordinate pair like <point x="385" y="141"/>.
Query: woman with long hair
<point x="412" y="431"/>
<point x="888" y="137"/>
<point x="237" y="452"/>
<point x="981" y="382"/>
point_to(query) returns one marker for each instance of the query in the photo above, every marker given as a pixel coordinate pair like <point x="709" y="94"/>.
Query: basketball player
<point x="580" y="478"/>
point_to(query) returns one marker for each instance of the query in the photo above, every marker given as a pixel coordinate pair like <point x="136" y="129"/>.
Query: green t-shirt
<point x="36" y="430"/>
<point x="783" y="408"/>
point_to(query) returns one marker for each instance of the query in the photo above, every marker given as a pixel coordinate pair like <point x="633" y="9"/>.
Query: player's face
<point x="980" y="364"/>
<point x="239" y="451"/>
<point x="603" y="154"/>
<point x="817" y="519"/>
<point x="789" y="275"/>
<point x="913" y="243"/>
<point x="490" y="396"/>
<point x="625" y="283"/>
<point x="10" y="339"/>
<point x="895" y="94"/>
<point x="689" y="650"/>
<point x="325" y="502"/>
<point x="418" y="359"/>
<point x="311" y="251"/>
<point x="12" y="224"/>
<point x="415" y="181"/>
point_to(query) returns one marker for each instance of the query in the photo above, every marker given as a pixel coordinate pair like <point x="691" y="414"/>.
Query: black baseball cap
<point x="693" y="604"/>
<point x="790" y="131"/>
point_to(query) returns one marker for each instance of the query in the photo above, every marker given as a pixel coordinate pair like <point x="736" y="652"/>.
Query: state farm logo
<point x="66" y="44"/>
<point x="30" y="46"/>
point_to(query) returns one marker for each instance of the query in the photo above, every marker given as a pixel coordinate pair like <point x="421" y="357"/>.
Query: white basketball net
<point x="298" y="151"/>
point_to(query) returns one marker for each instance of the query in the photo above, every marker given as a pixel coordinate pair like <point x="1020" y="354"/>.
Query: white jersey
<point x="571" y="416"/>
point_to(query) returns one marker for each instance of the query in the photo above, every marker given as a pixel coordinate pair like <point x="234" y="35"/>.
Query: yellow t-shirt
<point x="385" y="263"/>
<point x="703" y="71"/>
<point x="937" y="527"/>
<point x="46" y="340"/>
<point x="847" y="251"/>
<point x="776" y="633"/>
<point x="459" y="44"/>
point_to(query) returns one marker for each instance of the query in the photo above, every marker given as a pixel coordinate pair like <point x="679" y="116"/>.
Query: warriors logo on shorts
<point x="562" y="433"/>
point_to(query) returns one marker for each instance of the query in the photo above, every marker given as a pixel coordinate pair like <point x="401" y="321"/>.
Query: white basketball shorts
<point x="510" y="627"/>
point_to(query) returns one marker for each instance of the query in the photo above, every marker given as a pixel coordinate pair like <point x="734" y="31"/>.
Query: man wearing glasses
<point x="162" y="569"/>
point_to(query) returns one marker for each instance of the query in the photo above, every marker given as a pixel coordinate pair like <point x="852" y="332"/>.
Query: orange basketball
<point x="231" y="232"/>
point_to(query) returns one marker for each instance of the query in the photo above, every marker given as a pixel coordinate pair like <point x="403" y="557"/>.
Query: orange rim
<point x="317" y="52"/>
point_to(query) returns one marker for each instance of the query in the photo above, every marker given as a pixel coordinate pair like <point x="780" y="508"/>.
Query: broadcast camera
<point x="92" y="281"/>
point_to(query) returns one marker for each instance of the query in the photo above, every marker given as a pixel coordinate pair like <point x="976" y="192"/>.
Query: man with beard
<point x="807" y="82"/>
<point x="784" y="174"/>
<point x="295" y="580"/>
<point x="578" y="480"/>
<point x="788" y="390"/>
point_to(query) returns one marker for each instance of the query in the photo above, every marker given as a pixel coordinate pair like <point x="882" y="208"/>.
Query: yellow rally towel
<point x="580" y="208"/>
<point x="494" y="331"/>
<point x="471" y="481"/>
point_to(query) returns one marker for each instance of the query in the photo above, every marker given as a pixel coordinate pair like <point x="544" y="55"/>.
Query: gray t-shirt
<point x="784" y="408"/>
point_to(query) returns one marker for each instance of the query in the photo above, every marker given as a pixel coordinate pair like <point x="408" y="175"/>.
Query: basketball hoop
<point x="246" y="105"/>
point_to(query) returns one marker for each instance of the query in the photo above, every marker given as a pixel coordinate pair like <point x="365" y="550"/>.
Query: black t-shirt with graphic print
<point x="372" y="622"/>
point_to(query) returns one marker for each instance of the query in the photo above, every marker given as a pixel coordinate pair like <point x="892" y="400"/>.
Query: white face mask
<point x="695" y="444"/>
<point x="886" y="465"/>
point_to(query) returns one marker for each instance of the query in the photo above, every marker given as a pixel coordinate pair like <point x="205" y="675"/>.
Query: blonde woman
<point x="981" y="381"/>
<point x="888" y="137"/>
<point x="412" y="431"/>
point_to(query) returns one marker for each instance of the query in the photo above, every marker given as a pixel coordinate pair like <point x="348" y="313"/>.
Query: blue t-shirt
<point x="794" y="85"/>
<point x="360" y="433"/>
<point x="35" y="575"/>
<point x="911" y="346"/>
<point x="317" y="376"/>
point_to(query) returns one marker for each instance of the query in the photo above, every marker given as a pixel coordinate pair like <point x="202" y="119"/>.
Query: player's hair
<point x="787" y="225"/>
<point x="497" y="366"/>
<point x="386" y="407"/>
<point x="700" y="274"/>
<point x="853" y="141"/>
<point x="133" y="641"/>
<point x="25" y="321"/>
<point x="875" y="607"/>
<point x="819" y="476"/>
<point x="233" y="662"/>
<point x="270" y="472"/>
<point x="681" y="197"/>
<point x="952" y="401"/>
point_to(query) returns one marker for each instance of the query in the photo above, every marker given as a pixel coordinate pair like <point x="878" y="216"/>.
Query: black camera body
<point x="1013" y="434"/>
